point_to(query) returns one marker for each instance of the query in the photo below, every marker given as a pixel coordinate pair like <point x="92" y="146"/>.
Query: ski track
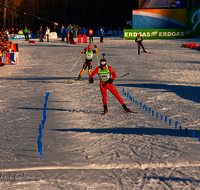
<point x="83" y="149"/>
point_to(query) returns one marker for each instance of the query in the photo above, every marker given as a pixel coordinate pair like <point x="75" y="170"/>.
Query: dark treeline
<point x="85" y="13"/>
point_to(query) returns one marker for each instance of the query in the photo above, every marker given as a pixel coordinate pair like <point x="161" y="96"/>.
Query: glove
<point x="85" y="49"/>
<point x="110" y="81"/>
<point x="95" y="46"/>
<point x="91" y="80"/>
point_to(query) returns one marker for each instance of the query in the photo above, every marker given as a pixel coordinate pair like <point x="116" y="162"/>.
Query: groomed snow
<point x="82" y="149"/>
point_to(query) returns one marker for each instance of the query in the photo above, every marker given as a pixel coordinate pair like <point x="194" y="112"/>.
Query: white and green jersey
<point x="104" y="75"/>
<point x="89" y="55"/>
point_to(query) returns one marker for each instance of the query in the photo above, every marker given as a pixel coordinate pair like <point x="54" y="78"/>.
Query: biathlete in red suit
<point x="106" y="77"/>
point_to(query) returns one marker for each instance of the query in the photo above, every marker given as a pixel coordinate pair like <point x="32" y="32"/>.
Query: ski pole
<point x="123" y="75"/>
<point x="119" y="77"/>
<point x="74" y="65"/>
<point x="97" y="59"/>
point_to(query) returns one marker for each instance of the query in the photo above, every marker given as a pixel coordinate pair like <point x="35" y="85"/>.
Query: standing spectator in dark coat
<point x="71" y="34"/>
<point x="63" y="33"/>
<point x="74" y="29"/>
<point x="41" y="33"/>
<point x="102" y="34"/>
<point x="91" y="35"/>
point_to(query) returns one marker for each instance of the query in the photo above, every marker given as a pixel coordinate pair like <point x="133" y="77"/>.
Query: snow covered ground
<point x="82" y="149"/>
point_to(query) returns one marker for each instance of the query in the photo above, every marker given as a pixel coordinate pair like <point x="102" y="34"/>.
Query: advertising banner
<point x="162" y="4"/>
<point x="131" y="34"/>
<point x="21" y="36"/>
<point x="194" y="21"/>
<point x="159" y="18"/>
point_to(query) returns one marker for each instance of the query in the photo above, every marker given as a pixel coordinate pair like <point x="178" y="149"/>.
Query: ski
<point x="126" y="112"/>
<point x="72" y="80"/>
<point x="132" y="112"/>
<point x="148" y="52"/>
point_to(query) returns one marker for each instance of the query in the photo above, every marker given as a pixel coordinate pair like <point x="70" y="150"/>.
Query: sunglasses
<point x="103" y="66"/>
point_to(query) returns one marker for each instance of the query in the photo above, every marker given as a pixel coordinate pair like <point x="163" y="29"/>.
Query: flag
<point x="12" y="58"/>
<point x="14" y="47"/>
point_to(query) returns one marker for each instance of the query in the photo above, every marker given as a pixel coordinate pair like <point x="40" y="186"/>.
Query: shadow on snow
<point x="186" y="92"/>
<point x="136" y="131"/>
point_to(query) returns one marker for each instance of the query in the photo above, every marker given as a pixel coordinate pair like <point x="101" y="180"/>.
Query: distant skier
<point x="88" y="60"/>
<point x="106" y="82"/>
<point x="139" y="40"/>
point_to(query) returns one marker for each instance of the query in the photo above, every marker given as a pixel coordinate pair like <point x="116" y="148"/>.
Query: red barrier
<point x="84" y="38"/>
<point x="32" y="42"/>
<point x="79" y="38"/>
<point x="190" y="44"/>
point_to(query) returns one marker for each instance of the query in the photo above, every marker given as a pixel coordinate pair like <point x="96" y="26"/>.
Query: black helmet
<point x="103" y="62"/>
